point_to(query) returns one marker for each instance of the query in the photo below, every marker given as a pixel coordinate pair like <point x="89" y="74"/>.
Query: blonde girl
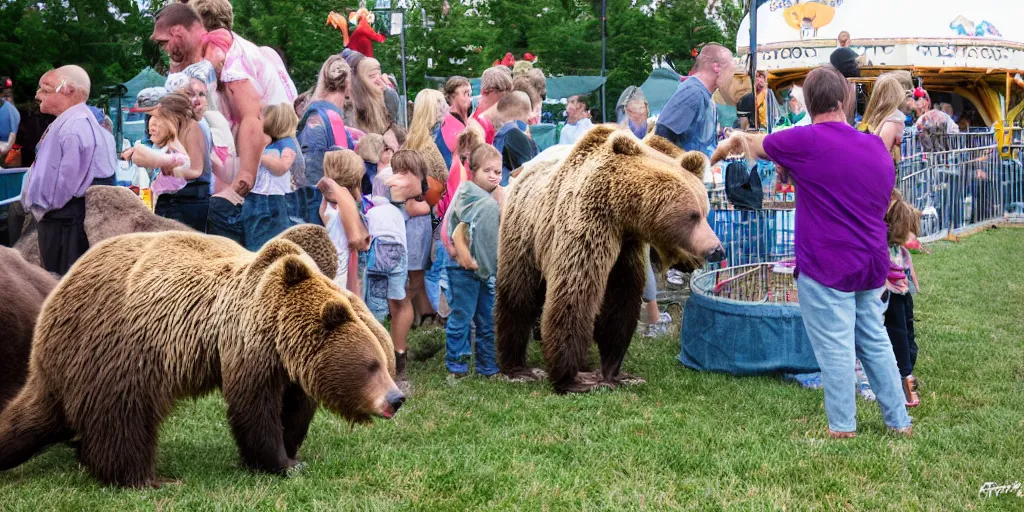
<point x="340" y="212"/>
<point x="265" y="211"/>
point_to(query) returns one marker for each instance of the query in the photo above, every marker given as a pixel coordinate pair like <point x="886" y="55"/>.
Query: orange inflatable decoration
<point x="808" y="17"/>
<point x="363" y="37"/>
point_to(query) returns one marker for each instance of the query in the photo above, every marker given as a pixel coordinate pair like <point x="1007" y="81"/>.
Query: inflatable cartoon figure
<point x="363" y="37"/>
<point x="808" y="17"/>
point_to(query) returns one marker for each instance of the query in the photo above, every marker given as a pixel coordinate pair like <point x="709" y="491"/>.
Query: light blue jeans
<point x="843" y="326"/>
<point x="472" y="303"/>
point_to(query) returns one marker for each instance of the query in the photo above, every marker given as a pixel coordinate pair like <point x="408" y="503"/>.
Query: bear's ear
<point x="625" y="144"/>
<point x="317" y="243"/>
<point x="295" y="271"/>
<point x="593" y="138"/>
<point x="271" y="252"/>
<point x="694" y="162"/>
<point x="664" y="146"/>
<point x="334" y="314"/>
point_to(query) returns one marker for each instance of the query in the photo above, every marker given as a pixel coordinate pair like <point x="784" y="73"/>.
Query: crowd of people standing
<point x="237" y="151"/>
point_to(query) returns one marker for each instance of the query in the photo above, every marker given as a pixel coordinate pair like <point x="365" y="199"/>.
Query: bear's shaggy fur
<point x="109" y="212"/>
<point x="25" y="288"/>
<point x="143" y="320"/>
<point x="115" y="211"/>
<point x="573" y="236"/>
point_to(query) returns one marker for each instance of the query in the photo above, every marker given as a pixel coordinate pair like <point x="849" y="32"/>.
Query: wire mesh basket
<point x="758" y="283"/>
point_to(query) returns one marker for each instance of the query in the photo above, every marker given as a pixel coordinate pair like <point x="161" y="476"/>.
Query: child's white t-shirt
<point x="269" y="185"/>
<point x="337" y="233"/>
<point x="385" y="220"/>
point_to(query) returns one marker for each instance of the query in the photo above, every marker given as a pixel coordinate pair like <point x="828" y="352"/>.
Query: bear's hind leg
<point x="297" y="412"/>
<point x="119" y="447"/>
<point x="620" y="311"/>
<point x="519" y="294"/>
<point x="29" y="423"/>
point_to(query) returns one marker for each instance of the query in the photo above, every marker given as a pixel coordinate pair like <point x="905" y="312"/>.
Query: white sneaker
<point x="664" y="318"/>
<point x="655" y="330"/>
<point x="675" y="277"/>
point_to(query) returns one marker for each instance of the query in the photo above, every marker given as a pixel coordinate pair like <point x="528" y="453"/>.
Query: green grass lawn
<point x="685" y="440"/>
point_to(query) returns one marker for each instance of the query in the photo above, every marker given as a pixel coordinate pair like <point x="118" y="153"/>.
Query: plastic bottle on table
<point x="143" y="182"/>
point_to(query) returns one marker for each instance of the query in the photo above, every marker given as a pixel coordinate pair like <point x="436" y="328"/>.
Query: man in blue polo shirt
<point x="10" y="118"/>
<point x="690" y="118"/>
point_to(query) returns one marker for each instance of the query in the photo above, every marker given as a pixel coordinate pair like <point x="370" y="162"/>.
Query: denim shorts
<point x="387" y="270"/>
<point x="225" y="219"/>
<point x="263" y="218"/>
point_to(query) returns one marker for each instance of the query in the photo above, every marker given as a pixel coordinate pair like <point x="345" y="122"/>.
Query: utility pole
<point x="604" y="57"/>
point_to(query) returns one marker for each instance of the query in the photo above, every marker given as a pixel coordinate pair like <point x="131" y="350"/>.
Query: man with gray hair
<point x="72" y="155"/>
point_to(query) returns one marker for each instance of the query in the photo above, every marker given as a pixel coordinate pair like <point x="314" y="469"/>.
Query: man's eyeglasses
<point x="46" y="90"/>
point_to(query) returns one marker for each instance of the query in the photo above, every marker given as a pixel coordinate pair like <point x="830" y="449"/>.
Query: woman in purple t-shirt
<point x="844" y="179"/>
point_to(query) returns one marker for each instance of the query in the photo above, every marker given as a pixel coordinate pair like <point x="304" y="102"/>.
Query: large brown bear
<point x="571" y="249"/>
<point x="143" y="320"/>
<point x="25" y="287"/>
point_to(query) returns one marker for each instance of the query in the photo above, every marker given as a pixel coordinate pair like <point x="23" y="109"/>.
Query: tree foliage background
<point x="109" y="38"/>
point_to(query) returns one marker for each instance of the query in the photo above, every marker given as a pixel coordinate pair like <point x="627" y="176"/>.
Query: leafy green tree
<point x="109" y="39"/>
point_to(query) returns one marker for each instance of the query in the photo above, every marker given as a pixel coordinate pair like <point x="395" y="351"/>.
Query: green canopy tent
<point x="146" y="78"/>
<point x="659" y="88"/>
<point x="127" y="128"/>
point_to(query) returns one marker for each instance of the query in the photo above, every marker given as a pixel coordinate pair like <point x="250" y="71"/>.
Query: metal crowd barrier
<point x="10" y="184"/>
<point x="958" y="181"/>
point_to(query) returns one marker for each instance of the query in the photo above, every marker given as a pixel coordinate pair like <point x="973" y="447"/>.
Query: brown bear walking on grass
<point x="143" y="320"/>
<point x="571" y="250"/>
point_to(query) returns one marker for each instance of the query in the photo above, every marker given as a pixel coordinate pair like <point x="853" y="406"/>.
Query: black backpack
<point x="743" y="186"/>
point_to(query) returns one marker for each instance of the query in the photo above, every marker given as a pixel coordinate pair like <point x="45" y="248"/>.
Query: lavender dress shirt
<point x="71" y="153"/>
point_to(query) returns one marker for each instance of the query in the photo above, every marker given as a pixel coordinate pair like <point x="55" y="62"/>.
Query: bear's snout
<point x="395" y="399"/>
<point x="717" y="254"/>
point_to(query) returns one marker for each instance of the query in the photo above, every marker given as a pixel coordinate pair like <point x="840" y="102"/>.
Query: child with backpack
<point x="903" y="222"/>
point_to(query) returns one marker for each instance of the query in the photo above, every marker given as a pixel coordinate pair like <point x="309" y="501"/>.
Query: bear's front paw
<point x="626" y="379"/>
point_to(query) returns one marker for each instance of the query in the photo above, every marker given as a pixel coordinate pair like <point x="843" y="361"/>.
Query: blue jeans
<point x="190" y="210"/>
<point x="308" y="201"/>
<point x="225" y="219"/>
<point x="263" y="218"/>
<point x="844" y="326"/>
<point x="472" y="301"/>
<point x="296" y="200"/>
<point x="432" y="277"/>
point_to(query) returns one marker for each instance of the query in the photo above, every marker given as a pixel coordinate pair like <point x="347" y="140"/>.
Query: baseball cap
<point x="148" y="99"/>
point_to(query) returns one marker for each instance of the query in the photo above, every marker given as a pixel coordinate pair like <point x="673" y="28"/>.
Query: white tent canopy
<point x="940" y="33"/>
